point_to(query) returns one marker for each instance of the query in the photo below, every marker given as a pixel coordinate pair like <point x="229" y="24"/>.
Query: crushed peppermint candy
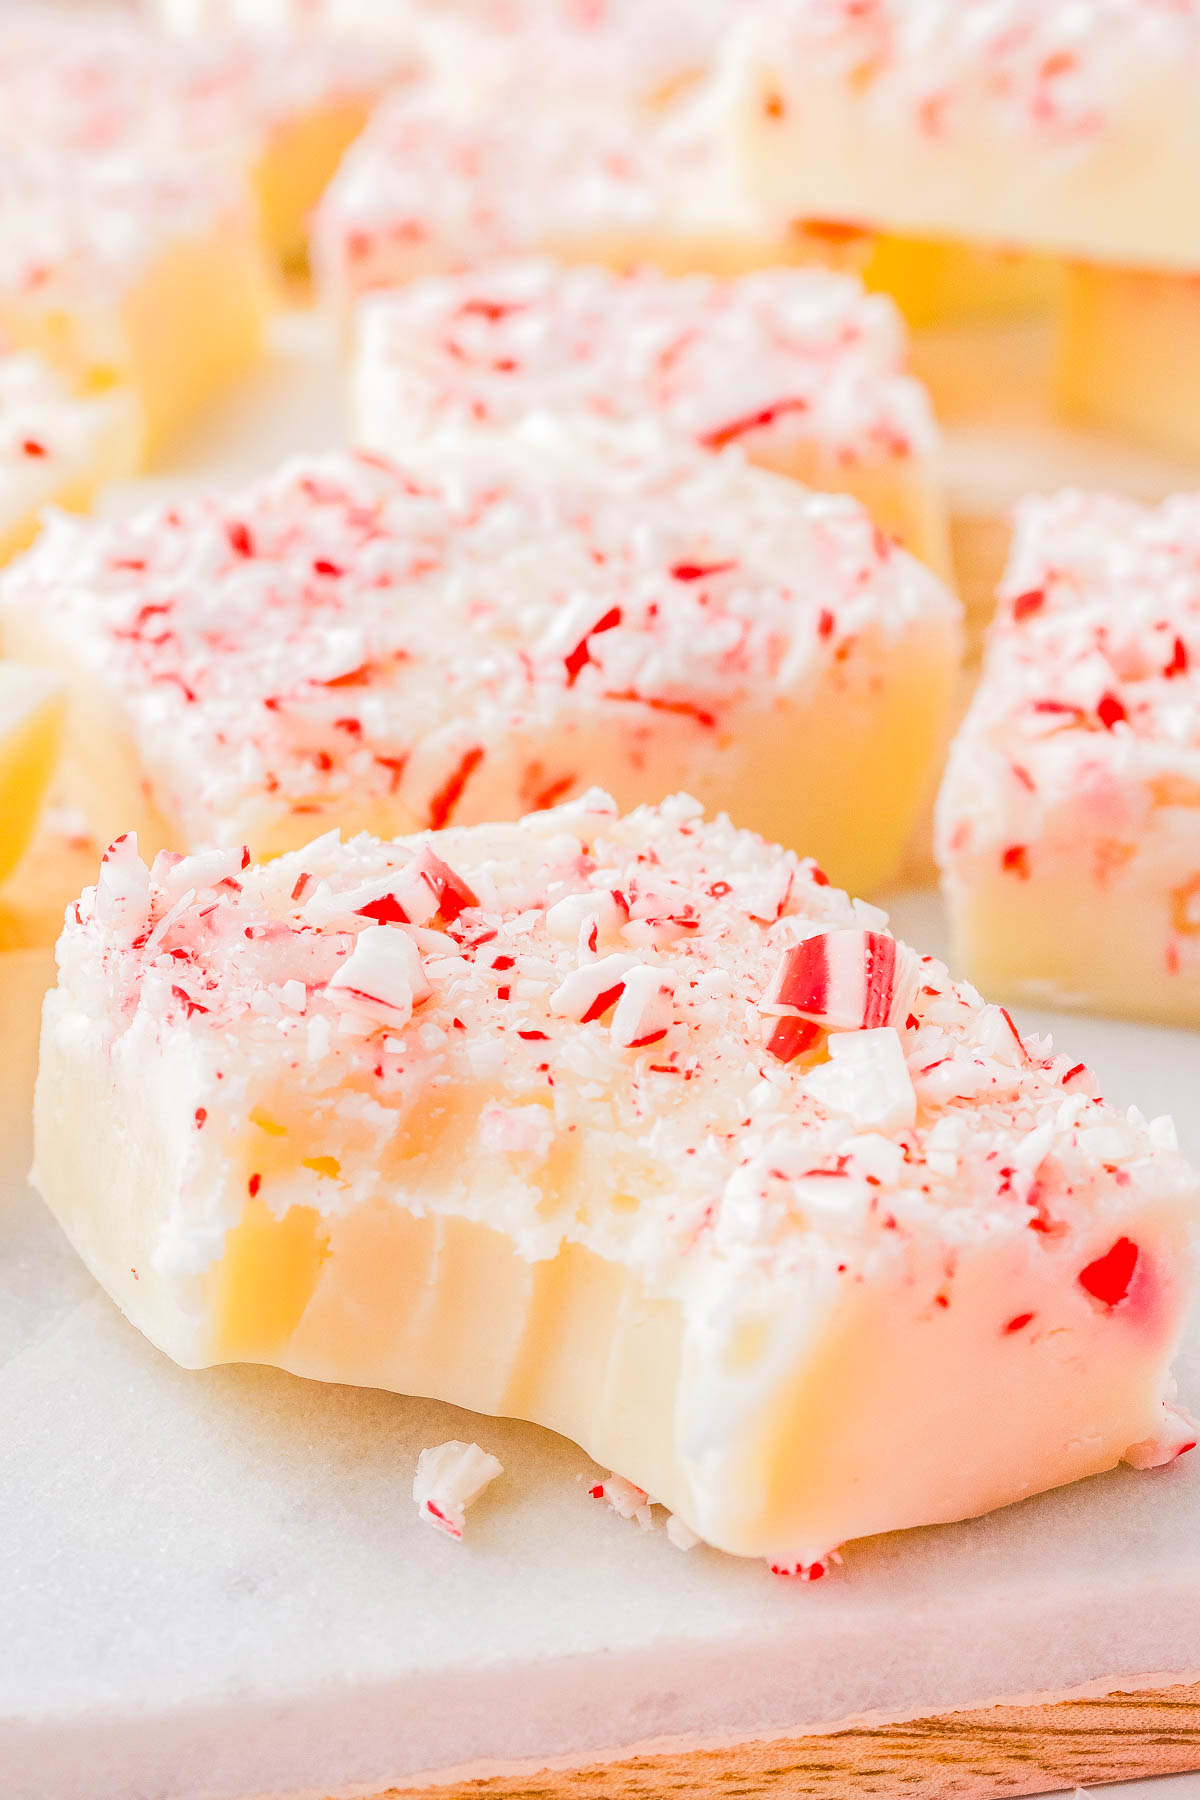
<point x="557" y="1041"/>
<point x="449" y="1478"/>
<point x="783" y="360"/>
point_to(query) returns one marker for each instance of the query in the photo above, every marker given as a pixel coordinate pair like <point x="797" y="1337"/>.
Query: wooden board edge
<point x="977" y="1755"/>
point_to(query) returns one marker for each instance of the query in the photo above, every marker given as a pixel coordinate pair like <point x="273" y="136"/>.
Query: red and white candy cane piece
<point x="843" y="979"/>
<point x="429" y="887"/>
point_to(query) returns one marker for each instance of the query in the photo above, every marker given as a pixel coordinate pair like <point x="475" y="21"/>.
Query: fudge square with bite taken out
<point x="1068" y="827"/>
<point x="634" y="1127"/>
<point x="487" y="628"/>
<point x="801" y="367"/>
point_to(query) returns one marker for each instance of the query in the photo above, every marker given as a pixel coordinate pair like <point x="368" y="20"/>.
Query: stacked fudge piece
<point x="488" y="627"/>
<point x="1041" y="127"/>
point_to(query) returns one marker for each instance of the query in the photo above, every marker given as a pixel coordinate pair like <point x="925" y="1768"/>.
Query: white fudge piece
<point x="1069" y="820"/>
<point x="276" y="107"/>
<point x="485" y="629"/>
<point x="800" y="367"/>
<point x="446" y="177"/>
<point x="786" y="1316"/>
<point x="134" y="273"/>
<point x="1040" y="123"/>
<point x="55" y="449"/>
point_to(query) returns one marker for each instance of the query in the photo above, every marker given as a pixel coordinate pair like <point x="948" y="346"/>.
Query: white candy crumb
<point x="680" y="1534"/>
<point x="448" y="1478"/>
<point x="626" y="1500"/>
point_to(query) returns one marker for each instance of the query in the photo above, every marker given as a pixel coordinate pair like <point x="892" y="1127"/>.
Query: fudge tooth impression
<point x="632" y="1126"/>
<point x="485" y="629"/>
<point x="801" y="367"/>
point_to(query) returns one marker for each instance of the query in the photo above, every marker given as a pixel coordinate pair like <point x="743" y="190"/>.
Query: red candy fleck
<point x="1109" y="1277"/>
<point x="601" y="1003"/>
<point x="552" y="793"/>
<point x="254" y="1183"/>
<point x="698" y="571"/>
<point x="387" y="910"/>
<point x="1030" y="602"/>
<point x="1178" y="664"/>
<point x="798" y="1571"/>
<point x="577" y="658"/>
<point x="825" y="623"/>
<point x="1110" y="711"/>
<point x="1016" y="860"/>
<point x="755" y="421"/>
<point x="31" y="447"/>
<point x="1019" y="1323"/>
<point x="201" y="1116"/>
<point x="444" y="802"/>
<point x="239" y="538"/>
<point x="450" y="892"/>
<point x="185" y="1000"/>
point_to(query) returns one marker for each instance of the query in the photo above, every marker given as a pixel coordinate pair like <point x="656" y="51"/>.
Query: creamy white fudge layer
<point x="1046" y="123"/>
<point x="446" y="176"/>
<point x="485" y="630"/>
<point x="54" y="447"/>
<point x="1069" y="820"/>
<point x="801" y="367"/>
<point x="633" y="1127"/>
<point x="124" y="272"/>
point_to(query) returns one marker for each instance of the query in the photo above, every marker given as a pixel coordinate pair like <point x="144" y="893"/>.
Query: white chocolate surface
<point x="776" y="359"/>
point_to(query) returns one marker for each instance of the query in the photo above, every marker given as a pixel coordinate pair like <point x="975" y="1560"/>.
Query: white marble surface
<point x="216" y="1585"/>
